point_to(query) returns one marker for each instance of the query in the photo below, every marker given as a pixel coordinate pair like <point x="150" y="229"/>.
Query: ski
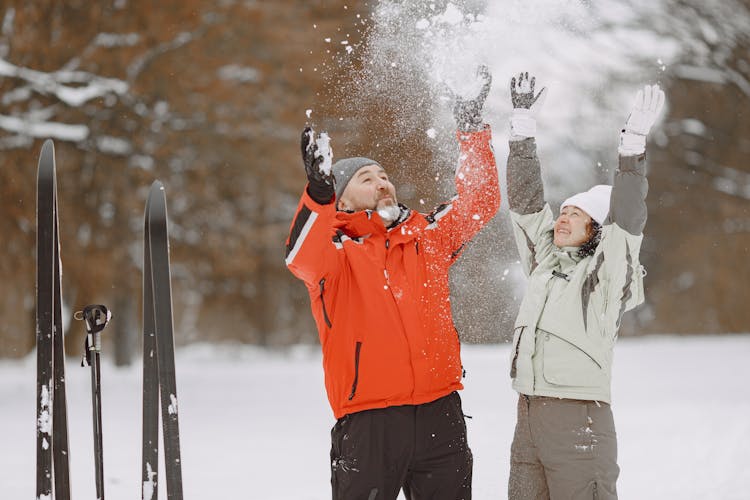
<point x="150" y="440"/>
<point x="159" y="379"/>
<point x="52" y="422"/>
<point x="96" y="318"/>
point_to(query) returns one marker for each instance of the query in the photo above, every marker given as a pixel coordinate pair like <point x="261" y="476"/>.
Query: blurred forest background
<point x="211" y="97"/>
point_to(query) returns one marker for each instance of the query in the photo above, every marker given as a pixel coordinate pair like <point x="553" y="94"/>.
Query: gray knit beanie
<point x="343" y="171"/>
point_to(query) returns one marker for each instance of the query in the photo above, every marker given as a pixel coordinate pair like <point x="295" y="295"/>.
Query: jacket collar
<point x="568" y="256"/>
<point x="367" y="222"/>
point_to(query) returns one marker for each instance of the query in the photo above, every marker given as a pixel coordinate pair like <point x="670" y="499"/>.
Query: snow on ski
<point x="52" y="424"/>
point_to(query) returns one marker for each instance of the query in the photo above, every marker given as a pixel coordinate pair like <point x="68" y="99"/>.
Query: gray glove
<point x="468" y="113"/>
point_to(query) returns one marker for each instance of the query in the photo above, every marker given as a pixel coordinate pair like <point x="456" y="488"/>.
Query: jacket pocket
<point x="567" y="364"/>
<point x="322" y="284"/>
<point x="357" y="350"/>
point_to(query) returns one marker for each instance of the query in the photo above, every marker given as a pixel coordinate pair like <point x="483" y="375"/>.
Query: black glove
<point x="468" y="114"/>
<point x="320" y="184"/>
<point x="522" y="91"/>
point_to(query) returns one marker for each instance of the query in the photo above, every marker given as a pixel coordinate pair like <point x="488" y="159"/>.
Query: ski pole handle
<point x="96" y="318"/>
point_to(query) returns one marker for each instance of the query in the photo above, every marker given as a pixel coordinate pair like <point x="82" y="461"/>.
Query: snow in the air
<point x="588" y="56"/>
<point x="258" y="422"/>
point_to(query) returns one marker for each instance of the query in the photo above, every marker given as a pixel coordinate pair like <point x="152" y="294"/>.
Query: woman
<point x="584" y="273"/>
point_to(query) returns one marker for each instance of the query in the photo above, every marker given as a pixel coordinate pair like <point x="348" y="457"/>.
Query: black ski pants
<point x="420" y="448"/>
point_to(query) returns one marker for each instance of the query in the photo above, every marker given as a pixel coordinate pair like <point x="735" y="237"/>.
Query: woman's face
<point x="572" y="227"/>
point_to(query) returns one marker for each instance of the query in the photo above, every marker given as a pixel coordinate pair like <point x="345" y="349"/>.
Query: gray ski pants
<point x="563" y="449"/>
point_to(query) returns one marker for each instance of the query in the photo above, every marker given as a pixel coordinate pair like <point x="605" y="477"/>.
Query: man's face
<point x="572" y="227"/>
<point x="369" y="189"/>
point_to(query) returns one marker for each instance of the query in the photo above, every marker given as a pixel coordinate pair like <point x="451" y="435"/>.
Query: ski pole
<point x="96" y="318"/>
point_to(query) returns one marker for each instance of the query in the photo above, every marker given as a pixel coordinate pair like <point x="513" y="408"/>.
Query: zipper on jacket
<point x="416" y="246"/>
<point x="325" y="313"/>
<point x="558" y="274"/>
<point x="356" y="370"/>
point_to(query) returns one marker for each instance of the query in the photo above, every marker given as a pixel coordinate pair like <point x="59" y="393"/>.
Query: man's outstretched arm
<point x="310" y="253"/>
<point x="477" y="184"/>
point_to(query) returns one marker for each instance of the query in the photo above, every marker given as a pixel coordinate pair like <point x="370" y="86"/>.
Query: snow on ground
<point x="255" y="425"/>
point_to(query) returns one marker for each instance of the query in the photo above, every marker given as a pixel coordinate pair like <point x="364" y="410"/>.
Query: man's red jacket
<point x="380" y="296"/>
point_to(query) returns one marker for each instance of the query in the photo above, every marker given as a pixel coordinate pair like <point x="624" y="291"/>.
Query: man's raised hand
<point x="316" y="156"/>
<point x="468" y="113"/>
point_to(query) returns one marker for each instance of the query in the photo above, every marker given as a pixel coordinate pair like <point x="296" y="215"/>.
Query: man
<point x="377" y="274"/>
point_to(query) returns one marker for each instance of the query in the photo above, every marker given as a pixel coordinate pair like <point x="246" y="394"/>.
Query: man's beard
<point x="389" y="213"/>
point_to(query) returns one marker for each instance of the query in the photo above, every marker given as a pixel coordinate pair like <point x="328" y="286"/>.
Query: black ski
<point x="159" y="380"/>
<point x="150" y="450"/>
<point x="52" y="420"/>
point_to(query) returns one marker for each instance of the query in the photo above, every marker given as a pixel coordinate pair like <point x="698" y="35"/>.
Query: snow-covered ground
<point x="255" y="425"/>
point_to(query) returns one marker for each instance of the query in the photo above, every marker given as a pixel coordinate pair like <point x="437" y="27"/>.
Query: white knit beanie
<point x="594" y="202"/>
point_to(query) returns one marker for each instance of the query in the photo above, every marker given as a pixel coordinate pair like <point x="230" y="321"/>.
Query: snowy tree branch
<point x="739" y="80"/>
<point x="55" y="83"/>
<point x="44" y="129"/>
<point x="136" y="67"/>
